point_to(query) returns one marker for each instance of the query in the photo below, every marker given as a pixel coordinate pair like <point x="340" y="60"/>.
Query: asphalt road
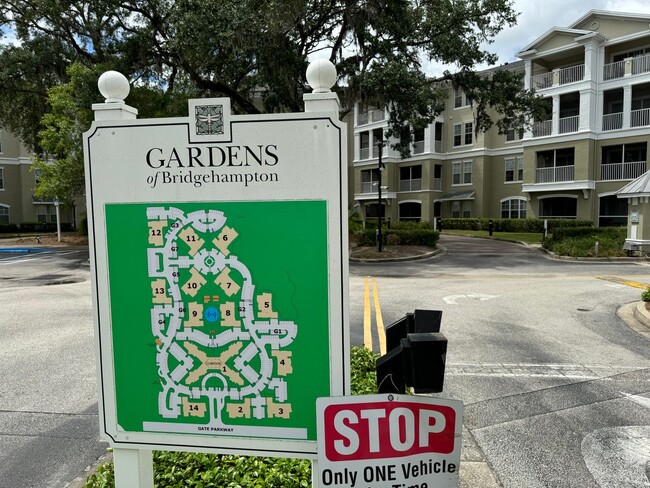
<point x="48" y="403"/>
<point x="555" y="384"/>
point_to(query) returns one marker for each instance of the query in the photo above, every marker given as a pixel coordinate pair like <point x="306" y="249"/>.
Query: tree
<point x="256" y="51"/>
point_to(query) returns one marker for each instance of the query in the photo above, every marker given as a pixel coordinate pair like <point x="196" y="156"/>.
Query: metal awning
<point x="457" y="195"/>
<point x="639" y="187"/>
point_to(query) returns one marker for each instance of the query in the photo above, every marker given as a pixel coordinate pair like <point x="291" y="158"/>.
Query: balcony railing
<point x="541" y="129"/>
<point x="418" y="147"/>
<point x="368" y="187"/>
<point x="640" y="118"/>
<point x="613" y="71"/>
<point x="554" y="174"/>
<point x="572" y="74"/>
<point x="641" y="64"/>
<point x="564" y="76"/>
<point x="622" y="171"/>
<point x="569" y="124"/>
<point x="410" y="185"/>
<point x="613" y="121"/>
<point x="374" y="115"/>
<point x="542" y="80"/>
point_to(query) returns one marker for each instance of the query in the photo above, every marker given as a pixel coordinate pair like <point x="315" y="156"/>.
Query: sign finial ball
<point x="321" y="75"/>
<point x="114" y="86"/>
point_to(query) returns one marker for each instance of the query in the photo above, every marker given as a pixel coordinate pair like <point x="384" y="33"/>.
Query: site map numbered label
<point x="222" y="310"/>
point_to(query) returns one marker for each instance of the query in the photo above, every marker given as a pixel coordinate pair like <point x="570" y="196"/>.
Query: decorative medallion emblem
<point x="209" y="120"/>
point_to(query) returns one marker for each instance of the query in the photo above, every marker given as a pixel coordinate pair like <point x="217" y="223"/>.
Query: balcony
<point x="414" y="184"/>
<point x="554" y="174"/>
<point x="613" y="121"/>
<point x="558" y="77"/>
<point x="569" y="124"/>
<point x="622" y="171"/>
<point x="630" y="66"/>
<point x="541" y="129"/>
<point x="373" y="115"/>
<point x="640" y="118"/>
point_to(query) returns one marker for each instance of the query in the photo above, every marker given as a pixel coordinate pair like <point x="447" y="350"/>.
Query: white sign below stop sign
<point x="392" y="441"/>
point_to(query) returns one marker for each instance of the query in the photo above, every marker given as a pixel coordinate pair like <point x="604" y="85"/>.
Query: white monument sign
<point x="219" y="263"/>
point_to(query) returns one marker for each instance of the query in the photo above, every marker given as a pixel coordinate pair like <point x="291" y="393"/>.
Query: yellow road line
<point x="367" y="322"/>
<point x="622" y="281"/>
<point x="381" y="333"/>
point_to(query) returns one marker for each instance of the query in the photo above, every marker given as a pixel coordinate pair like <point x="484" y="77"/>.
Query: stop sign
<point x="387" y="440"/>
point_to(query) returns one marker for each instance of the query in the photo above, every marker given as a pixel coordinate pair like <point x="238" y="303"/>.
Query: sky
<point x="537" y="17"/>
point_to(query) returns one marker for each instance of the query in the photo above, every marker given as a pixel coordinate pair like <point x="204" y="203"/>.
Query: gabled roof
<point x="609" y="14"/>
<point x="552" y="32"/>
<point x="636" y="188"/>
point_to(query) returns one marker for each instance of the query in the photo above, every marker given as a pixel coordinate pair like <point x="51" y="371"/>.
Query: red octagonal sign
<point x="389" y="441"/>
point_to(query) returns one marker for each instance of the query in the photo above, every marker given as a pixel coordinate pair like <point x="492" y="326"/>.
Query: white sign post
<point x="220" y="269"/>
<point x="388" y="441"/>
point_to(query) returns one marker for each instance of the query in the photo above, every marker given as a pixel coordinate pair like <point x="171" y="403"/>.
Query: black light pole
<point x="379" y="208"/>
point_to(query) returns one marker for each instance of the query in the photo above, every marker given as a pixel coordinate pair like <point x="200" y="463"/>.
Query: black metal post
<point x="379" y="208"/>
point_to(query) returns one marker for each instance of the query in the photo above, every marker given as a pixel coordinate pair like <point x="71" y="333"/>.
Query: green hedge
<point x="415" y="237"/>
<point x="513" y="225"/>
<point x="595" y="232"/>
<point x="30" y="227"/>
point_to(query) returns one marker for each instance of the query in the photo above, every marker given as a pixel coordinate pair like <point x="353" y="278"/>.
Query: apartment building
<point x="595" y="77"/>
<point x="18" y="204"/>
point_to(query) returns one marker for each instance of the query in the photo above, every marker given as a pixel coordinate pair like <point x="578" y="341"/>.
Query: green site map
<point x="219" y="316"/>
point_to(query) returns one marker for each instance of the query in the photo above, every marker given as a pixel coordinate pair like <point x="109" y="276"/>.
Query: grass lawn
<point x="527" y="237"/>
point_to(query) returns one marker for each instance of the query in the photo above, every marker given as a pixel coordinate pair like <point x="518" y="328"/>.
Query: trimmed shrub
<point x="82" y="230"/>
<point x="8" y="228"/>
<point x="393" y="239"/>
<point x="514" y="225"/>
<point x="406" y="237"/>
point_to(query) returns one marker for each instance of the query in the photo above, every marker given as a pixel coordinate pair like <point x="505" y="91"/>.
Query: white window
<point x="4" y="214"/>
<point x="514" y="169"/>
<point x="463" y="134"/>
<point x="410" y="178"/>
<point x="41" y="215"/>
<point x="461" y="209"/>
<point x="469" y="132"/>
<point x="364" y="145"/>
<point x="369" y="180"/>
<point x="514" y="135"/>
<point x="458" y="140"/>
<point x="461" y="99"/>
<point x="513" y="208"/>
<point x="461" y="173"/>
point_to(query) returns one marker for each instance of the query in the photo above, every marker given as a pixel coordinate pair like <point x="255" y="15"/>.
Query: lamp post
<point x="379" y="208"/>
<point x="58" y="219"/>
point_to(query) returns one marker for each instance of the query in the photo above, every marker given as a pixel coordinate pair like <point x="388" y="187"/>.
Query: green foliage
<point x="256" y="53"/>
<point x="200" y="470"/>
<point x="61" y="171"/>
<point x="82" y="229"/>
<point x="393" y="239"/>
<point x="581" y="242"/>
<point x="414" y="237"/>
<point x="363" y="380"/>
<point x="513" y="225"/>
<point x="645" y="295"/>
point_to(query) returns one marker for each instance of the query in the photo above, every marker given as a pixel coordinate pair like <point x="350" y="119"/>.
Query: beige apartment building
<point x="18" y="204"/>
<point x="595" y="77"/>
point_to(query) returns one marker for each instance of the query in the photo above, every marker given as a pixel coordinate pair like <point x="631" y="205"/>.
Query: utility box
<point x="416" y="354"/>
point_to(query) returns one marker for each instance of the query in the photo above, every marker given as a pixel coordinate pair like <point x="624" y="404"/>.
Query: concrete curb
<point x="394" y="260"/>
